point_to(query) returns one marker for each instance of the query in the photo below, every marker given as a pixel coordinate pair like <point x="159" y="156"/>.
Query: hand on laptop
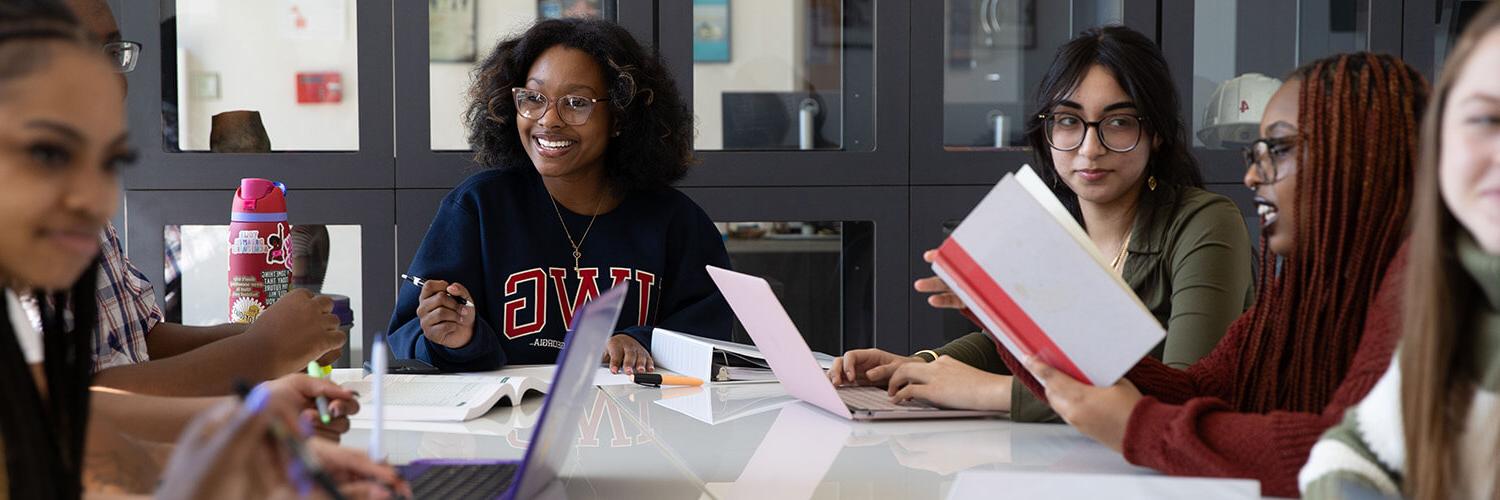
<point x="942" y="297"/>
<point x="952" y="384"/>
<point x="625" y="353"/>
<point x="866" y="367"/>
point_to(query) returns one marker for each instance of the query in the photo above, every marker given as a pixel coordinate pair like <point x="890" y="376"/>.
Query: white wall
<point x="495" y="20"/>
<point x="244" y="43"/>
<point x="205" y="274"/>
<point x="766" y="38"/>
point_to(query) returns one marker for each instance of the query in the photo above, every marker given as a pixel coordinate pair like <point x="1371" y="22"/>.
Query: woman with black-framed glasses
<point x="581" y="132"/>
<point x="1108" y="139"/>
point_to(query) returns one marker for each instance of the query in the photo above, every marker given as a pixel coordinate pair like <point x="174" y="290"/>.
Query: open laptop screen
<point x="557" y="427"/>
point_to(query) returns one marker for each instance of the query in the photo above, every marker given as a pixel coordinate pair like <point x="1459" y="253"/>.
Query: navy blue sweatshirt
<point x="497" y="234"/>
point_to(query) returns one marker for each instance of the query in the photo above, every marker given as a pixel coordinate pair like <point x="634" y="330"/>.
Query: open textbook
<point x="714" y="360"/>
<point x="462" y="397"/>
<point x="1035" y="280"/>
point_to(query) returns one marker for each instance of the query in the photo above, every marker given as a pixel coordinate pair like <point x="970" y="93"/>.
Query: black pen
<point x="310" y="464"/>
<point x="420" y="281"/>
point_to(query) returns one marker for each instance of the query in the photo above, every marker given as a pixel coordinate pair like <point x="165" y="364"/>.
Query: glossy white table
<point x="753" y="441"/>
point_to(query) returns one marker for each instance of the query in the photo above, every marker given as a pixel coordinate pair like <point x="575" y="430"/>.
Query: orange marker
<point x="658" y="380"/>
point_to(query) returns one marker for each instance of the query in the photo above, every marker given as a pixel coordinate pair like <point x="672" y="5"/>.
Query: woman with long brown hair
<point x="1333" y="175"/>
<point x="1429" y="428"/>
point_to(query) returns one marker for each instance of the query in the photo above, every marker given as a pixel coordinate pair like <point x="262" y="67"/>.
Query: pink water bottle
<point x="260" y="253"/>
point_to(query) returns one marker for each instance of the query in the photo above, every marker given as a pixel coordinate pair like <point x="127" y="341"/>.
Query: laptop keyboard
<point x="461" y="481"/>
<point x="876" y="399"/>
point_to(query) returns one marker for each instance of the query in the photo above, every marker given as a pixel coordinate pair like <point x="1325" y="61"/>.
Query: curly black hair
<point x="654" y="148"/>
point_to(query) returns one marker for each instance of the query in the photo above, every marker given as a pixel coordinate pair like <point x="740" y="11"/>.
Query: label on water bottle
<point x="260" y="270"/>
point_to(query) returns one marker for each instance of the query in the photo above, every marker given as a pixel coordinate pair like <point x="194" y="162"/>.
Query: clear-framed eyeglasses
<point x="124" y="54"/>
<point x="1272" y="158"/>
<point x="573" y="109"/>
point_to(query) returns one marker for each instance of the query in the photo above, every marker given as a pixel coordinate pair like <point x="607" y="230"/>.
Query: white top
<point x="28" y="336"/>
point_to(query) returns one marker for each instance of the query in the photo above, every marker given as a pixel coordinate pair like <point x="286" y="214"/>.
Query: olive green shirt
<point x="1189" y="266"/>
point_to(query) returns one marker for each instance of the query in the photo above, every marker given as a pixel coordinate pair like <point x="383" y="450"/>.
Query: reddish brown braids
<point x="1359" y="116"/>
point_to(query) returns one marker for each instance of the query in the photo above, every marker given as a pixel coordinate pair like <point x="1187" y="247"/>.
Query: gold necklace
<point x="577" y="254"/>
<point x="1119" y="263"/>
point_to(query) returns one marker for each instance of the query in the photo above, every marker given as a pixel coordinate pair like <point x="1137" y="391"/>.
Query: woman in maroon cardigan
<point x="1333" y="178"/>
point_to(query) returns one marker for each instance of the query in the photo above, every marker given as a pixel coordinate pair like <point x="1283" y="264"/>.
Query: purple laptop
<point x="554" y="433"/>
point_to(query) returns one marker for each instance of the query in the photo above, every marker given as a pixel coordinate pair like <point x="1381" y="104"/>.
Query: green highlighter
<point x="315" y="371"/>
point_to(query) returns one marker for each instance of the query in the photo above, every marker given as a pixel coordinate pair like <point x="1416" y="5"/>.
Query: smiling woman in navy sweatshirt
<point x="582" y="132"/>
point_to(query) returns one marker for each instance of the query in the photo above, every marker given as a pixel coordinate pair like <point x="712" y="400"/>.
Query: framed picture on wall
<point x="450" y="28"/>
<point x="558" y="9"/>
<point x="711" y="31"/>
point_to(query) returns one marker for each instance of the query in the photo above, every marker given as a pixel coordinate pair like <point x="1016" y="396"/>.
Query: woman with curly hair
<point x="581" y="132"/>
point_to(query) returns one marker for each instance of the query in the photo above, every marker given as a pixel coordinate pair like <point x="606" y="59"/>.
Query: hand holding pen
<point x="445" y="311"/>
<point x="460" y="295"/>
<point x="302" y="461"/>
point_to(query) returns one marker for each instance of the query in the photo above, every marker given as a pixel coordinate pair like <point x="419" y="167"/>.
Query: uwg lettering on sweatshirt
<point x="530" y="294"/>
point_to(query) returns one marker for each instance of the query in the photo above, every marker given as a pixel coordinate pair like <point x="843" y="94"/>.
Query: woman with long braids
<point x="1333" y="177"/>
<point x="1431" y="426"/>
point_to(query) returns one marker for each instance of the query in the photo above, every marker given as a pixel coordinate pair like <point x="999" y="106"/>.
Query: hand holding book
<point x="942" y="297"/>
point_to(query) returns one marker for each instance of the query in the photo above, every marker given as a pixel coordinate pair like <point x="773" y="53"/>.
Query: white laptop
<point x="792" y="361"/>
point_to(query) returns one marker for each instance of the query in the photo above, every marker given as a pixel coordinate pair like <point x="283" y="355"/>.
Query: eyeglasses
<point x="1066" y="131"/>
<point x="1272" y="159"/>
<point x="574" y="110"/>
<point x="123" y="54"/>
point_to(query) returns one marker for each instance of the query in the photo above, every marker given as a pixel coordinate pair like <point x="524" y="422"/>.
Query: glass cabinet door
<point x="995" y="52"/>
<point x="461" y="33"/>
<point x="973" y="86"/>
<point x="258" y="77"/>
<point x="1242" y="50"/>
<point x="783" y="74"/>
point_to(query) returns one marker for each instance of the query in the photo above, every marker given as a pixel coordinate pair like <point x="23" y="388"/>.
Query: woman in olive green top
<point x="1116" y="154"/>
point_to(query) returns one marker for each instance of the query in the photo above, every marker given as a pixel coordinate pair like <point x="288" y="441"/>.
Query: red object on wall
<point x="320" y="87"/>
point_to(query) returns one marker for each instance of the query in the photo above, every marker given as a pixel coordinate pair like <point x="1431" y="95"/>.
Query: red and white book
<point x="1041" y="288"/>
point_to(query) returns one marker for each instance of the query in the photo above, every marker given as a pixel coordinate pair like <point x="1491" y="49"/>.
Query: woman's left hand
<point x="950" y="383"/>
<point x="624" y="353"/>
<point x="1099" y="412"/>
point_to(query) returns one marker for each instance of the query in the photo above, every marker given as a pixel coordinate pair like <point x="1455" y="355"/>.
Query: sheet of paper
<point x="441" y="394"/>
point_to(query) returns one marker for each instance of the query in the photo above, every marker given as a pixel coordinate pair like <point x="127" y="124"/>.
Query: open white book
<point x="1035" y="280"/>
<point x="462" y="397"/>
<point x="714" y="360"/>
<point x="449" y="398"/>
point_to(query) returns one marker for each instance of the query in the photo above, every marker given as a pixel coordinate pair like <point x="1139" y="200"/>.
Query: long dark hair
<point x="1137" y="64"/>
<point x="44" y="438"/>
<point x="1358" y="116"/>
<point x="654" y="148"/>
<point x="1435" y="364"/>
